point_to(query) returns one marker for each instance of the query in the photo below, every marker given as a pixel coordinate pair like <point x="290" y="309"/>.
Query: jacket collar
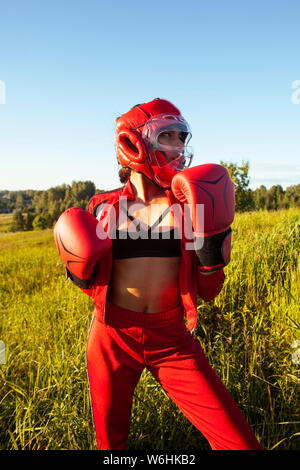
<point x="128" y="191"/>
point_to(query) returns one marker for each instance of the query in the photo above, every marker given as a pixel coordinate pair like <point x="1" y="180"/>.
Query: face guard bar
<point x="178" y="156"/>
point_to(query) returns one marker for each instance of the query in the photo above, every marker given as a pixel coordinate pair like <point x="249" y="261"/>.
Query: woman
<point x="144" y="274"/>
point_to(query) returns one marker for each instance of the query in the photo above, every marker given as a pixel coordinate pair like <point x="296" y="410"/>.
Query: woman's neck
<point x="143" y="188"/>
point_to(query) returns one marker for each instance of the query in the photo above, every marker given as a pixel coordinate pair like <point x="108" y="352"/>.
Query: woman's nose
<point x="178" y="142"/>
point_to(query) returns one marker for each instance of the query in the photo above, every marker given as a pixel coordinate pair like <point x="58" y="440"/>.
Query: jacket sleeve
<point x="209" y="286"/>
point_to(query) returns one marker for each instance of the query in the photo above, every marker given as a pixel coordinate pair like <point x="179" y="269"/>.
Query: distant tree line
<point x="37" y="210"/>
<point x="260" y="198"/>
<point x="276" y="198"/>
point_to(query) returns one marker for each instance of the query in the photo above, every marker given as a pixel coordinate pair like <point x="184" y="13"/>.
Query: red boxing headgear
<point x="137" y="144"/>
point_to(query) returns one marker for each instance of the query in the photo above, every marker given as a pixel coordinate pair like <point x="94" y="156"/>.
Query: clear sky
<point x="68" y="68"/>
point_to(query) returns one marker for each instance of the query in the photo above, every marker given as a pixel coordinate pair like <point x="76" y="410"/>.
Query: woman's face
<point x="172" y="138"/>
<point x="173" y="142"/>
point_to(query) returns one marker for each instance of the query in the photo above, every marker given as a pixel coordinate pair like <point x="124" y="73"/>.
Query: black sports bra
<point x="146" y="243"/>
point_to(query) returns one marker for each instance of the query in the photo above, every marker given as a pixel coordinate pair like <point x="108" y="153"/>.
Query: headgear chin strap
<point x="136" y="151"/>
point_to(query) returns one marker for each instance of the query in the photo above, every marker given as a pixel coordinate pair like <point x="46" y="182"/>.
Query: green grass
<point x="5" y="222"/>
<point x="247" y="333"/>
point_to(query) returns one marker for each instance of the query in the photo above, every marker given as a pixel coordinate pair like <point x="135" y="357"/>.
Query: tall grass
<point x="247" y="332"/>
<point x="5" y="222"/>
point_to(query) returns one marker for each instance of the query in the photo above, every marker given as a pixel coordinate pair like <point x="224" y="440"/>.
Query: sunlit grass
<point x="5" y="222"/>
<point x="248" y="334"/>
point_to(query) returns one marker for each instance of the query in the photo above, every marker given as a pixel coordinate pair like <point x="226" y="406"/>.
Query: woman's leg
<point x="113" y="375"/>
<point x="192" y="384"/>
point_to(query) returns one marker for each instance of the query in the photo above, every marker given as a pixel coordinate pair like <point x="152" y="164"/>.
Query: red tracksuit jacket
<point x="192" y="282"/>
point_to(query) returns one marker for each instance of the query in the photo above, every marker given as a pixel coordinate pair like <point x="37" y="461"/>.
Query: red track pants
<point x="117" y="353"/>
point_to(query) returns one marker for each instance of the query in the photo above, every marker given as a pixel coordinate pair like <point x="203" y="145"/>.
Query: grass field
<point x="248" y="332"/>
<point x="5" y="221"/>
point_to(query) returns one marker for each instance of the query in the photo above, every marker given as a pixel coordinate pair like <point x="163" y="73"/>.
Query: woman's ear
<point x="130" y="147"/>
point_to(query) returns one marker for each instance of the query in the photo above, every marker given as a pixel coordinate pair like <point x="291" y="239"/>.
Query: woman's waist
<point x="143" y="299"/>
<point x="120" y="316"/>
<point x="143" y="273"/>
<point x="144" y="288"/>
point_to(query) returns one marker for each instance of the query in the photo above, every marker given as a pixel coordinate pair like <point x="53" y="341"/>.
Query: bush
<point x="40" y="222"/>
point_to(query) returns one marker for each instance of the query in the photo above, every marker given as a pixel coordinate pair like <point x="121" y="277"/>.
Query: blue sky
<point x="70" y="67"/>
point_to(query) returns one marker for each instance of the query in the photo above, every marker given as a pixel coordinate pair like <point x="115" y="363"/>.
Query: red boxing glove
<point x="211" y="186"/>
<point x="79" y="245"/>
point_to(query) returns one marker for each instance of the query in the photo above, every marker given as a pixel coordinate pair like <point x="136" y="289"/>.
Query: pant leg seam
<point x="89" y="387"/>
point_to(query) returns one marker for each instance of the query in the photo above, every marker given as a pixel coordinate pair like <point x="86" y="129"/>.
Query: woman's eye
<point x="182" y="136"/>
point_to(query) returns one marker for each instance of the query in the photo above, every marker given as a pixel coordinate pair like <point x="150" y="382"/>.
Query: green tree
<point x="82" y="190"/>
<point x="292" y="195"/>
<point x="40" y="222"/>
<point x="239" y="176"/>
<point x="260" y="197"/>
<point x="28" y="221"/>
<point x="19" y="201"/>
<point x="17" y="223"/>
